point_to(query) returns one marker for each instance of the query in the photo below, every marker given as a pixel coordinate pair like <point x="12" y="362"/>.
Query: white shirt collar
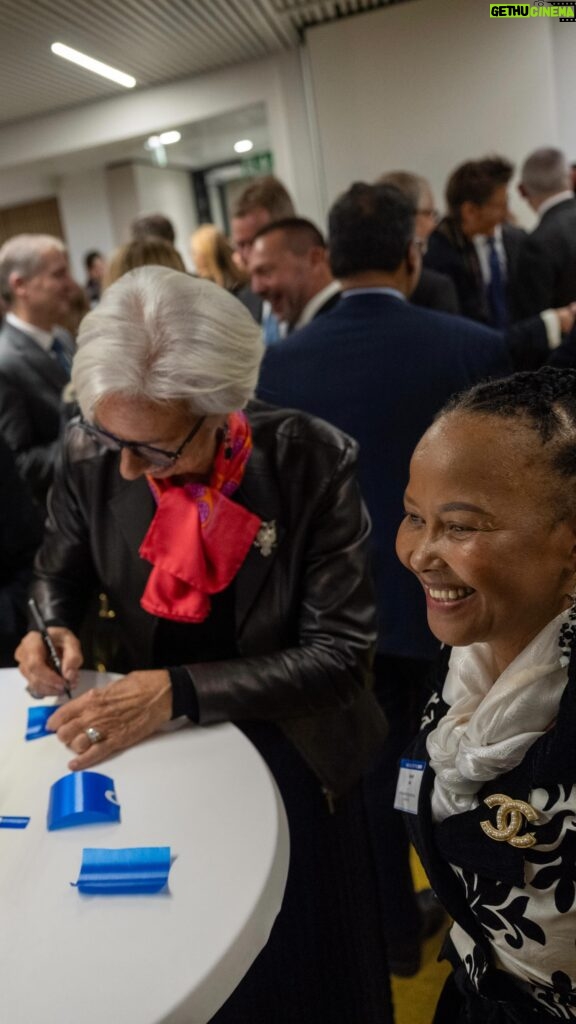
<point x="41" y="337"/>
<point x="560" y="197"/>
<point x="480" y="243"/>
<point x="316" y="303"/>
<point x="376" y="290"/>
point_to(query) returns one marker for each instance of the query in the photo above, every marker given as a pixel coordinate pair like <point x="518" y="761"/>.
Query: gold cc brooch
<point x="509" y="820"/>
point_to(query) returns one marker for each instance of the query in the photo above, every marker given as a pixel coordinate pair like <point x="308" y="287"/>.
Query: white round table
<point x="172" y="958"/>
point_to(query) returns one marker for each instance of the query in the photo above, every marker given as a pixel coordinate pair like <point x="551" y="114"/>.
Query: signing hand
<point x="32" y="657"/>
<point x="123" y="712"/>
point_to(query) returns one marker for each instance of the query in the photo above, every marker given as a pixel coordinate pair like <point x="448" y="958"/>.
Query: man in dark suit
<point x="289" y="267"/>
<point x="434" y="290"/>
<point x="473" y="244"/>
<point x="380" y="368"/>
<point x="546" y="267"/>
<point x="480" y="252"/>
<point x="35" y="359"/>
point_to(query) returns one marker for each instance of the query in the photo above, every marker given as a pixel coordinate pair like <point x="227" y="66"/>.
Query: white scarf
<point x="490" y="725"/>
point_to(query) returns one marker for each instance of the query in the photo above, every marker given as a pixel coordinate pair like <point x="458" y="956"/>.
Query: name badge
<point x="408" y="788"/>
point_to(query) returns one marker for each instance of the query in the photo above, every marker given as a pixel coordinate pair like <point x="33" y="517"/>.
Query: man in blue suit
<point x="380" y="368"/>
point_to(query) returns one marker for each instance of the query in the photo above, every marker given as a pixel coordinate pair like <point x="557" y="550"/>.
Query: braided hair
<point x="544" y="401"/>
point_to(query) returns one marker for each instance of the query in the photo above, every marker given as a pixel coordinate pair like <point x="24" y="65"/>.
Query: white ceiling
<point x="154" y="40"/>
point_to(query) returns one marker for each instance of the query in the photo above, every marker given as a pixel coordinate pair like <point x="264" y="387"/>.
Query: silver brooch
<point x="266" y="538"/>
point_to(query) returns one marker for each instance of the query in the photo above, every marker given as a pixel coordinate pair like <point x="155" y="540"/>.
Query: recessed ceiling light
<point x="167" y="138"/>
<point x="93" y="65"/>
<point x="164" y="139"/>
<point x="243" y="146"/>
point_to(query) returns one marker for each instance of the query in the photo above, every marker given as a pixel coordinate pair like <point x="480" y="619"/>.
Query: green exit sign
<point x="259" y="163"/>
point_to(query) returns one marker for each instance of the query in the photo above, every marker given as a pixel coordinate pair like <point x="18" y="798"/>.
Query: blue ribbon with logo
<point x="37" y="718"/>
<point x="132" y="871"/>
<point x="82" y="798"/>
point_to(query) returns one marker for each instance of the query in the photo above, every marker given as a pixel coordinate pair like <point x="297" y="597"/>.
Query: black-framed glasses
<point x="158" y="457"/>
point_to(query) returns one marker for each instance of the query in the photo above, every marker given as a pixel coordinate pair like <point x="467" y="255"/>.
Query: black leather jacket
<point x="305" y="618"/>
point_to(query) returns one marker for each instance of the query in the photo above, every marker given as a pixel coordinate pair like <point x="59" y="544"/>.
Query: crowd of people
<point x="226" y="455"/>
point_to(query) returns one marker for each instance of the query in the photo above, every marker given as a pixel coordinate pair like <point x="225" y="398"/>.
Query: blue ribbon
<point x="140" y="869"/>
<point x="82" y="798"/>
<point x="37" y="718"/>
<point x="11" y="821"/>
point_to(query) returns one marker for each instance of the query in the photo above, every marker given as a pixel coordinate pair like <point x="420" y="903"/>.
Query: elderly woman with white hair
<point x="233" y="547"/>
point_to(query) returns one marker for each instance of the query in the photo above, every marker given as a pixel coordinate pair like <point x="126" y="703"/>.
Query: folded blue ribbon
<point x="11" y="821"/>
<point x="82" y="798"/>
<point x="37" y="718"/>
<point x="140" y="869"/>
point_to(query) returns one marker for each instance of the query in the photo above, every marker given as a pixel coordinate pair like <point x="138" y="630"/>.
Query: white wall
<point x="25" y="185"/>
<point x="564" y="44"/>
<point x="425" y="85"/>
<point x="85" y="216"/>
<point x="122" y="197"/>
<point x="162" y="190"/>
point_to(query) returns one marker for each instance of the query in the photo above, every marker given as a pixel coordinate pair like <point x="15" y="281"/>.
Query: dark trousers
<point x="325" y="961"/>
<point x="401" y="689"/>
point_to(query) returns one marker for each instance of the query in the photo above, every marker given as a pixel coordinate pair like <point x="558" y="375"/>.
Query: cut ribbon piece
<point x="135" y="870"/>
<point x="82" y="798"/>
<point x="37" y="718"/>
<point x="11" y="821"/>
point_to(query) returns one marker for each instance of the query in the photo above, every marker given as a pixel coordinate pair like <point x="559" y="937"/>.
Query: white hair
<point x="163" y="336"/>
<point x="24" y="254"/>
<point x="546" y="172"/>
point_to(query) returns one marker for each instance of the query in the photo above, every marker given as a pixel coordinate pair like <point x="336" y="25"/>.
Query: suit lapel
<point x="37" y="360"/>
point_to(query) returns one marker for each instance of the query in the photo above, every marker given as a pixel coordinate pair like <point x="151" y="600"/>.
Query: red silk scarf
<point x="198" y="538"/>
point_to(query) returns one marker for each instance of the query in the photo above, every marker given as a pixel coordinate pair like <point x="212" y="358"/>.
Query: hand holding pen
<point x="53" y="657"/>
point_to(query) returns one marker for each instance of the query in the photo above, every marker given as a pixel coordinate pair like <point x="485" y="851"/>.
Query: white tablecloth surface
<point x="172" y="958"/>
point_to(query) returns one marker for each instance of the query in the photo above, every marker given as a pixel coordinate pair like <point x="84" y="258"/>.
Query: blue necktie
<point x="496" y="289"/>
<point x="61" y="355"/>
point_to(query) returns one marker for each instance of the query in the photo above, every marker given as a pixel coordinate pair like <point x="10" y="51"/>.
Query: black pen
<point x="48" y="642"/>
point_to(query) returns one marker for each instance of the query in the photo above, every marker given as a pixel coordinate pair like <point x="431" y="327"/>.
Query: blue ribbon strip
<point x="10" y="821"/>
<point x="37" y="718"/>
<point x="82" y="798"/>
<point x="140" y="869"/>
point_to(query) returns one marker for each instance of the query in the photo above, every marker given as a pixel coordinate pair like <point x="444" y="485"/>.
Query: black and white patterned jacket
<point x="499" y="894"/>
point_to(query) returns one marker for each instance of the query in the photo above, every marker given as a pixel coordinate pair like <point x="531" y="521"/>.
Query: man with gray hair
<point x="546" y="268"/>
<point x="35" y="361"/>
<point x="434" y="290"/>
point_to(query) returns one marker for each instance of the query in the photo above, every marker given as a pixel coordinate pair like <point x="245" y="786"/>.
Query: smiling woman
<point x="490" y="532"/>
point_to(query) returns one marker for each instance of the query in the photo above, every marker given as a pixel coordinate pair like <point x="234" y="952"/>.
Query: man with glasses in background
<point x="434" y="290"/>
<point x="476" y="246"/>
